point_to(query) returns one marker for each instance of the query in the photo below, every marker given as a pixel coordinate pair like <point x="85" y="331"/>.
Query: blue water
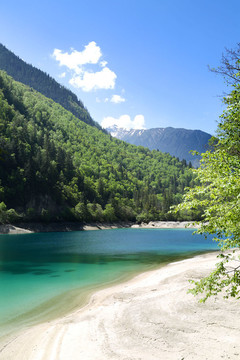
<point x="38" y="271"/>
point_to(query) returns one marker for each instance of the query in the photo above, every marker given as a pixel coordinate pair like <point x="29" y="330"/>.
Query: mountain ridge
<point x="177" y="142"/>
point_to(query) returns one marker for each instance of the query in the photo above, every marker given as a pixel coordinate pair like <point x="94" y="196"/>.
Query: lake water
<point x="48" y="274"/>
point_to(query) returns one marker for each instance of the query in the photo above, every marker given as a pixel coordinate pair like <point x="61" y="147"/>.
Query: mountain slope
<point x="55" y="167"/>
<point x="43" y="83"/>
<point x="177" y="142"/>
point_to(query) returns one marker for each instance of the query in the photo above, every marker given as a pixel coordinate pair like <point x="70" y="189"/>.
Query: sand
<point x="149" y="317"/>
<point x="12" y="229"/>
<point x="23" y="228"/>
<point x="166" y="225"/>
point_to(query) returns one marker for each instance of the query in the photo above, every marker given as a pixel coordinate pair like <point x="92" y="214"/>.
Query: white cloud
<point x="124" y="121"/>
<point x="87" y="81"/>
<point x="74" y="61"/>
<point x="82" y="75"/>
<point x="103" y="63"/>
<point x="117" y="99"/>
<point x="62" y="75"/>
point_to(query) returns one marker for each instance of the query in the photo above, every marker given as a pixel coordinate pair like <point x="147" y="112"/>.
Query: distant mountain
<point x="43" y="83"/>
<point x="176" y="142"/>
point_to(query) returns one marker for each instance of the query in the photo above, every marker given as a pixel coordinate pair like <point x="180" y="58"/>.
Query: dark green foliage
<point x="7" y="216"/>
<point x="55" y="167"/>
<point x="42" y="82"/>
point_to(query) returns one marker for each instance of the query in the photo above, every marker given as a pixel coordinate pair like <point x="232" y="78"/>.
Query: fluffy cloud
<point x="87" y="81"/>
<point x="117" y="99"/>
<point x="74" y="61"/>
<point x="103" y="63"/>
<point x="84" y="77"/>
<point x="124" y="121"/>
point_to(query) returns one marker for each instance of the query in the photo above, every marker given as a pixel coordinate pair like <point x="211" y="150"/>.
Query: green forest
<point x="45" y="84"/>
<point x="55" y="167"/>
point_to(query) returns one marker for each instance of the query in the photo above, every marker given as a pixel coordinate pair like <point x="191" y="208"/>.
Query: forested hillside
<point x="55" y="167"/>
<point x="42" y="82"/>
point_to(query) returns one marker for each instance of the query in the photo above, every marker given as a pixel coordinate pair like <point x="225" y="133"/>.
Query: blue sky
<point x="135" y="63"/>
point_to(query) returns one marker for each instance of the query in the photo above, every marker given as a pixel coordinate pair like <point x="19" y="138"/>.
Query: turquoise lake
<point x="46" y="274"/>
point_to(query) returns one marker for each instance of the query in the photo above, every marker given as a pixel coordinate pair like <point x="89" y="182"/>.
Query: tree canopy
<point x="55" y="167"/>
<point x="218" y="196"/>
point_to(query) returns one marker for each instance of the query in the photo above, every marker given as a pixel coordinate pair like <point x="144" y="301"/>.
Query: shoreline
<point x="27" y="228"/>
<point x="117" y="324"/>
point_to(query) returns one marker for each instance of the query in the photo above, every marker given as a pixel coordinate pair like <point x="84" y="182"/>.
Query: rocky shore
<point x="24" y="228"/>
<point x="166" y="225"/>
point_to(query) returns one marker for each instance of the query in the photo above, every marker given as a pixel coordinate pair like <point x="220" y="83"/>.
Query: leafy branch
<point x="218" y="195"/>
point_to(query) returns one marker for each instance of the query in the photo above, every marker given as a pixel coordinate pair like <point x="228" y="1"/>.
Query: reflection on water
<point x="37" y="268"/>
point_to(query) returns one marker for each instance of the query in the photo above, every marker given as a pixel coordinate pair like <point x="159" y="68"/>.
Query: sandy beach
<point x="150" y="317"/>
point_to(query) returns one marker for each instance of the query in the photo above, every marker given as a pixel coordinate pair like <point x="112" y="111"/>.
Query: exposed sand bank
<point x="166" y="225"/>
<point x="150" y="318"/>
<point x="23" y="228"/>
<point x="12" y="229"/>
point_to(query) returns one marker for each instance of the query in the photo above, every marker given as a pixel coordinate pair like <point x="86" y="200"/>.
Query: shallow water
<point x="40" y="273"/>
